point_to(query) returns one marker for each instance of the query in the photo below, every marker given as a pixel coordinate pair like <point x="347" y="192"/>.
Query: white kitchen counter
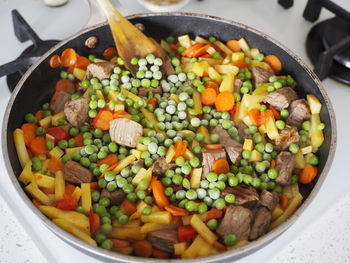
<point x="321" y="234"/>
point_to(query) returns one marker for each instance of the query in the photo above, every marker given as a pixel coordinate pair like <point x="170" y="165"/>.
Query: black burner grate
<point x="15" y="69"/>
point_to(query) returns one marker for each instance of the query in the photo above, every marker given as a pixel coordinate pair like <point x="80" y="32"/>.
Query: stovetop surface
<point x="287" y="26"/>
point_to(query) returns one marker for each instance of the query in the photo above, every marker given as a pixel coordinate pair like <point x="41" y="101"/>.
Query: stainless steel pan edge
<point x="228" y="256"/>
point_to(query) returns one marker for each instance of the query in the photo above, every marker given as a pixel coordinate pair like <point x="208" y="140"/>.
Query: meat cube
<point x="269" y="199"/>
<point x="77" y="111"/>
<point x="161" y="166"/>
<point x="100" y="70"/>
<point x="163" y="239"/>
<point x="299" y="112"/>
<point x="116" y="197"/>
<point x="232" y="147"/>
<point x="287" y="136"/>
<point x="58" y="101"/>
<point x="143" y="92"/>
<point x="261" y="223"/>
<point x="260" y="75"/>
<point x="247" y="197"/>
<point x="241" y="126"/>
<point x="237" y="85"/>
<point x="125" y="132"/>
<point x="285" y="163"/>
<point x="74" y="173"/>
<point x="208" y="159"/>
<point x="237" y="220"/>
<point x="281" y="98"/>
<point x="139" y="162"/>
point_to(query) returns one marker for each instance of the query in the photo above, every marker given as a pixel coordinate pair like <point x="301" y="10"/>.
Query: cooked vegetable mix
<point x="180" y="166"/>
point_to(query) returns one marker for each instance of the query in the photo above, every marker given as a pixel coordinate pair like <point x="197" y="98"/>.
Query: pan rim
<point x="113" y="256"/>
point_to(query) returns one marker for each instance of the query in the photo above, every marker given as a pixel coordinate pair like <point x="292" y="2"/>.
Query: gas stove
<point x="286" y="25"/>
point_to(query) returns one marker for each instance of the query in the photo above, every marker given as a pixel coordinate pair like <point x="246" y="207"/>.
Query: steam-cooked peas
<point x="186" y="169"/>
<point x="268" y="147"/>
<point x="180" y="161"/>
<point x="321" y="126"/>
<point x="212" y="224"/>
<point x="166" y="181"/>
<point x="191" y="194"/>
<point x="131" y="197"/>
<point x="267" y="156"/>
<point x="66" y="158"/>
<point x="197" y="149"/>
<point x="37" y="165"/>
<point x="294" y="148"/>
<point x="230" y="198"/>
<point x="30" y="118"/>
<point x="180" y="195"/>
<point x="111" y="186"/>
<point x="72" y="143"/>
<point x="230" y="240"/>
<point x="50" y="145"/>
<point x="214" y="138"/>
<point x="177" y="179"/>
<point x="260" y="167"/>
<point x="194" y="162"/>
<point x="313" y="160"/>
<point x="272" y="173"/>
<point x="190" y="206"/>
<point x="232" y="181"/>
<point x="214" y="193"/>
<point x="219" y="204"/>
<point x="263" y="108"/>
<point x="246" y="154"/>
<point x="284" y="113"/>
<point x="280" y="124"/>
<point x="63" y="144"/>
<point x="102" y="183"/>
<point x="84" y="161"/>
<point x="306" y="125"/>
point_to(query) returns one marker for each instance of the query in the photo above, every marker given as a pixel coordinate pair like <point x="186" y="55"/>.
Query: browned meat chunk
<point x="261" y="223"/>
<point x="287" y="136"/>
<point x="232" y="147"/>
<point x="281" y="98"/>
<point x="285" y="163"/>
<point x="247" y="197"/>
<point x="143" y="92"/>
<point x="77" y="111"/>
<point x="100" y="70"/>
<point x="237" y="85"/>
<point x="163" y="239"/>
<point x="58" y="101"/>
<point x="161" y="166"/>
<point x="116" y="197"/>
<point x="209" y="157"/>
<point x="260" y="75"/>
<point x="125" y="132"/>
<point x="236" y="221"/>
<point x="269" y="199"/>
<point x="241" y="126"/>
<point x="299" y="112"/>
<point x="139" y="162"/>
<point x="74" y="173"/>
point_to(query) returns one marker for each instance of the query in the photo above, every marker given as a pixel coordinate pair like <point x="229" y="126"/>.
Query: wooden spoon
<point x="130" y="41"/>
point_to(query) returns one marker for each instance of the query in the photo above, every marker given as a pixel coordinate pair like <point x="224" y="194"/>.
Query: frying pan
<point x="37" y="86"/>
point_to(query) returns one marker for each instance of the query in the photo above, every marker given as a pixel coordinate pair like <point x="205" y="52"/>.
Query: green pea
<point x="306" y="125"/>
<point x="63" y="144"/>
<point x="212" y="224"/>
<point x="284" y="114"/>
<point x="202" y="208"/>
<point x="212" y="177"/>
<point x="37" y="165"/>
<point x="131" y="197"/>
<point x="177" y="179"/>
<point x="147" y="211"/>
<point x="230" y="240"/>
<point x="294" y="148"/>
<point x="214" y="138"/>
<point x="219" y="204"/>
<point x="190" y="206"/>
<point x="272" y="173"/>
<point x="30" y="118"/>
<point x="313" y="160"/>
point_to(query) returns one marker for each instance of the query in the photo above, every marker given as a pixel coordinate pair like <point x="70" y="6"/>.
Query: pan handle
<point x="97" y="16"/>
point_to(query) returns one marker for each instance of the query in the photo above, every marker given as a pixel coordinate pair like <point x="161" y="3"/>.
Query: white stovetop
<point x="321" y="234"/>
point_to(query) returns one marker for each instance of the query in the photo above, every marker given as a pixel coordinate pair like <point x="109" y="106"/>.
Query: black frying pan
<point x="37" y="86"/>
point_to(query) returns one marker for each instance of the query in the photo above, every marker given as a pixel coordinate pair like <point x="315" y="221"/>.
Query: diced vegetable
<point x="86" y="197"/>
<point x="185" y="41"/>
<point x="133" y="233"/>
<point x="314" y="104"/>
<point x="36" y="193"/>
<point x="55" y="120"/>
<point x="161" y="217"/>
<point x="244" y="46"/>
<point x="196" y="175"/>
<point x="227" y="83"/>
<point x="316" y="134"/>
<point x="248" y="144"/>
<point x="203" y="230"/>
<point x="45" y="181"/>
<point x="170" y="154"/>
<point x="149" y="227"/>
<point x="20" y="147"/>
<point x="124" y="163"/>
<point x="26" y="175"/>
<point x="59" y="186"/>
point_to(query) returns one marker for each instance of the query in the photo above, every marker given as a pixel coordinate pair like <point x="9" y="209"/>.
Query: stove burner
<point x="323" y="57"/>
<point x="15" y="69"/>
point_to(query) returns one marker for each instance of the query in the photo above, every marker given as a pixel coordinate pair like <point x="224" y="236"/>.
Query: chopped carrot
<point x="273" y="163"/>
<point x="153" y="102"/>
<point x="156" y="253"/>
<point x="274" y="62"/>
<point x="111" y="159"/>
<point x="208" y="97"/>
<point x="119" y="114"/>
<point x="70" y="69"/>
<point x="175" y="219"/>
<point x="240" y="64"/>
<point x="221" y="166"/>
<point x="110" y="53"/>
<point x="48" y="191"/>
<point x="64" y="85"/>
<point x="79" y="140"/>
<point x="219" y="246"/>
<point x="94" y="186"/>
<point x="36" y="203"/>
<point x="143" y="248"/>
<point x="195" y="50"/>
<point x="158" y="194"/>
<point x="233" y="45"/>
<point x="224" y="101"/>
<point x="38" y="146"/>
<point x="206" y="56"/>
<point x="176" y="211"/>
<point x="54" y="165"/>
<point x="82" y="62"/>
<point x="118" y="243"/>
<point x="275" y="112"/>
<point x="29" y="132"/>
<point x="68" y="57"/>
<point x="254" y="115"/>
<point x="55" y="61"/>
<point x="39" y="115"/>
<point x="308" y="174"/>
<point x="264" y="116"/>
<point x="213" y="85"/>
<point x="213" y="146"/>
<point x="213" y="213"/>
<point x="69" y="189"/>
<point x="94" y="220"/>
<point x="110" y="168"/>
<point x="101" y="121"/>
<point x="173" y="47"/>
<point x="284" y="201"/>
<point x="149" y="189"/>
<point x="180" y="148"/>
<point x="128" y="207"/>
